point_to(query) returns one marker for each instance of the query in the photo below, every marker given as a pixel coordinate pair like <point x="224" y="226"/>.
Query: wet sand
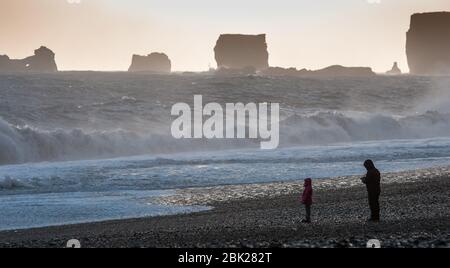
<point x="415" y="212"/>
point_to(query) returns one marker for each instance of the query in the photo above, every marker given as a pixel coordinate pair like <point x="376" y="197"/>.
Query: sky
<point x="104" y="34"/>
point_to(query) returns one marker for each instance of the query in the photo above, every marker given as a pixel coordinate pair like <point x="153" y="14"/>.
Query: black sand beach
<point x="415" y="214"/>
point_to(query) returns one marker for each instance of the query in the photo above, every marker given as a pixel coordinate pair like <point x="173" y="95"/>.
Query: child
<point x="307" y="199"/>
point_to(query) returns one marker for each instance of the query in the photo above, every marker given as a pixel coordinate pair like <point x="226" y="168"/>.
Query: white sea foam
<point x="8" y="183"/>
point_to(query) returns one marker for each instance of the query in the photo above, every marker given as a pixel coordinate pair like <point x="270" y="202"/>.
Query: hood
<point x="369" y="165"/>
<point x="308" y="182"/>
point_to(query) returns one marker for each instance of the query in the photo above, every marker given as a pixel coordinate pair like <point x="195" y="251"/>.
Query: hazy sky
<point x="103" y="34"/>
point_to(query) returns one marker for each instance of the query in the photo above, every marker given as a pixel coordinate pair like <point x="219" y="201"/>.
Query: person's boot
<point x="306" y="221"/>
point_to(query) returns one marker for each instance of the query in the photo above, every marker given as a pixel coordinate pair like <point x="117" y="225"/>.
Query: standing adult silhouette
<point x="373" y="184"/>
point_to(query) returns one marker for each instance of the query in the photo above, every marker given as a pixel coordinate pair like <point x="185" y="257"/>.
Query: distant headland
<point x="427" y="50"/>
<point x="43" y="60"/>
<point x="248" y="54"/>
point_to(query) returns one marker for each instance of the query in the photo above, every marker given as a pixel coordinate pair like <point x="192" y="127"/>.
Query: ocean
<point x="85" y="146"/>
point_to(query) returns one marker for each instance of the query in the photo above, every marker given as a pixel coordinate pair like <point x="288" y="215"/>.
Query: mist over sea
<point x="81" y="146"/>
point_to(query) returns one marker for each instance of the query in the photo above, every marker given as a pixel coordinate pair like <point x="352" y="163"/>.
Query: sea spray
<point x="27" y="144"/>
<point x="80" y="116"/>
<point x="241" y="121"/>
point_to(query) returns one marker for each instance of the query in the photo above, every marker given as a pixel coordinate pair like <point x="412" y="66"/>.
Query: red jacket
<point x="307" y="193"/>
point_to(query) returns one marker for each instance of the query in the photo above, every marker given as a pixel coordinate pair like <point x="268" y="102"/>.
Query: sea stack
<point x="428" y="44"/>
<point x="236" y="51"/>
<point x="154" y="63"/>
<point x="395" y="70"/>
<point x="43" y="60"/>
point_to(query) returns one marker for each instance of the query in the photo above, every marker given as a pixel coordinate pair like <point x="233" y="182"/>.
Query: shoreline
<point x="215" y="195"/>
<point x="416" y="213"/>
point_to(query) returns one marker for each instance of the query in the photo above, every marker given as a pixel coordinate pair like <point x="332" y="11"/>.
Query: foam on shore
<point x="208" y="196"/>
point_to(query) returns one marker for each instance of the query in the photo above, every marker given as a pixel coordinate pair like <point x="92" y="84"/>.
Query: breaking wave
<point x="8" y="183"/>
<point x="331" y="127"/>
<point x="27" y="144"/>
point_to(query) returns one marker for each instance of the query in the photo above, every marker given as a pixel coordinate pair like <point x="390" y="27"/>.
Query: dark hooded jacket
<point x="307" y="193"/>
<point x="373" y="178"/>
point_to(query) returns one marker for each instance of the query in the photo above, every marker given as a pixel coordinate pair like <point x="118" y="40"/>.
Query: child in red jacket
<point x="307" y="199"/>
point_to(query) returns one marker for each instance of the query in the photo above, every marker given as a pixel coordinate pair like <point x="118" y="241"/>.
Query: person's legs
<point x="308" y="213"/>
<point x="371" y="205"/>
<point x="374" y="205"/>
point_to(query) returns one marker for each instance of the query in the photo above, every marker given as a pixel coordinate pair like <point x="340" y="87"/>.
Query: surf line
<point x="236" y="121"/>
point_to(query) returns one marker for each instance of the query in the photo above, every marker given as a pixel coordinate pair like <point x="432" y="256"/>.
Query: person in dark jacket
<point x="372" y="182"/>
<point x="307" y="199"/>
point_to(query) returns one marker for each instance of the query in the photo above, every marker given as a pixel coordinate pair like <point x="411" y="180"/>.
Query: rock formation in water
<point x="154" y="62"/>
<point x="337" y="70"/>
<point x="43" y="60"/>
<point x="235" y="51"/>
<point x="428" y="44"/>
<point x="332" y="71"/>
<point x="395" y="70"/>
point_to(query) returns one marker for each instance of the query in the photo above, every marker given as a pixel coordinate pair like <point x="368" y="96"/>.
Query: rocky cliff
<point x="428" y="44"/>
<point x="43" y="60"/>
<point x="154" y="62"/>
<point x="234" y="51"/>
